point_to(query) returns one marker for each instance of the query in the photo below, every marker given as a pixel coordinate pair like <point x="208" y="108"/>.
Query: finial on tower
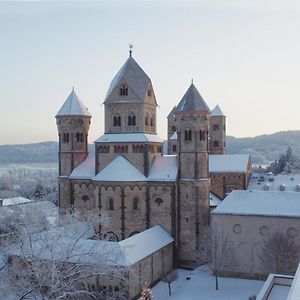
<point x="73" y="88"/>
<point x="192" y="81"/>
<point x="130" y="49"/>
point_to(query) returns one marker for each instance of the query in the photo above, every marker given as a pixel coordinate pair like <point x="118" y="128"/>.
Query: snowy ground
<point x="201" y="286"/>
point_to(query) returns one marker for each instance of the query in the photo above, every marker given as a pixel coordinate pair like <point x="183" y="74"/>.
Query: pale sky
<point x="242" y="55"/>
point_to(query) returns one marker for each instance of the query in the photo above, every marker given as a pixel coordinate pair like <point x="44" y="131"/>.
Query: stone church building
<point x="126" y="173"/>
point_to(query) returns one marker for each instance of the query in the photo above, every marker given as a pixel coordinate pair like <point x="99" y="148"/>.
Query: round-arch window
<point x="85" y="198"/>
<point x="158" y="201"/>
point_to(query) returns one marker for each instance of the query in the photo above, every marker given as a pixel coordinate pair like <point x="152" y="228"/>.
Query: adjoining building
<point x="262" y="226"/>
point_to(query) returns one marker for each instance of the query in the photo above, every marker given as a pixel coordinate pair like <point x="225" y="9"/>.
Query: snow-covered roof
<point x="85" y="170"/>
<point x="120" y="169"/>
<point x="164" y="168"/>
<point x="217" y="111"/>
<point x="174" y="136"/>
<point x="67" y="248"/>
<point x="144" y="244"/>
<point x="134" y="76"/>
<point x="214" y="200"/>
<point x="281" y="204"/>
<point x="14" y="201"/>
<point x="192" y="101"/>
<point x="271" y="182"/>
<point x="73" y="106"/>
<point x="128" y="138"/>
<point x="235" y="163"/>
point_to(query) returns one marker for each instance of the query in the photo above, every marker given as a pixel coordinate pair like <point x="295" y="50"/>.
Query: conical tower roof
<point x="192" y="101"/>
<point x="217" y="111"/>
<point x="73" y="106"/>
<point x="134" y="76"/>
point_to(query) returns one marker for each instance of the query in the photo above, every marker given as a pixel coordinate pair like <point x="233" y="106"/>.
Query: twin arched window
<point x="117" y="121"/>
<point x="79" y="137"/>
<point x="66" y="138"/>
<point x="202" y="135"/>
<point x="131" y="121"/>
<point x="124" y="90"/>
<point x="188" y="135"/>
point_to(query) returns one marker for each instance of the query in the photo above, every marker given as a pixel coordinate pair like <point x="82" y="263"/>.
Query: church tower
<point x="73" y="122"/>
<point x="130" y="120"/>
<point x="192" y="116"/>
<point x="217" y="132"/>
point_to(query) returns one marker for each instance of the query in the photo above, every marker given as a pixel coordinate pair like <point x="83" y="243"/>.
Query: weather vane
<point x="130" y="49"/>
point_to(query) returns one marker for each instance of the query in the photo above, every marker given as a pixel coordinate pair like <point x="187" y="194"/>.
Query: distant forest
<point x="264" y="149"/>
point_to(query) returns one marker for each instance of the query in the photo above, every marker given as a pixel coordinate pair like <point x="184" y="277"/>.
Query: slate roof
<point x="73" y="106"/>
<point x="120" y="169"/>
<point x="281" y="204"/>
<point x="192" y="101"/>
<point x="234" y="163"/>
<point x="134" y="76"/>
<point x="217" y="111"/>
<point x="172" y="112"/>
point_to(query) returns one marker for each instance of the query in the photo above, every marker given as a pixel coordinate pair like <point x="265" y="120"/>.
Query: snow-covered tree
<point x="279" y="254"/>
<point x="169" y="278"/>
<point x="217" y="250"/>
<point x="61" y="262"/>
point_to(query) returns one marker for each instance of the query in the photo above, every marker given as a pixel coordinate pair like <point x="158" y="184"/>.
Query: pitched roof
<point x="217" y="111"/>
<point x="281" y="204"/>
<point x="172" y="112"/>
<point x="192" y="101"/>
<point x="120" y="169"/>
<point x="128" y="137"/>
<point x="134" y="76"/>
<point x="85" y="170"/>
<point x="235" y="163"/>
<point x="164" y="168"/>
<point x="73" y="106"/>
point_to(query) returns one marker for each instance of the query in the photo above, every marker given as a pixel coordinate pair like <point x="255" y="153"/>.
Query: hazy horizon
<point x="241" y="55"/>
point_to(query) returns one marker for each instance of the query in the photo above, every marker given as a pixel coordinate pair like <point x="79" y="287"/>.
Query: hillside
<point x="263" y="149"/>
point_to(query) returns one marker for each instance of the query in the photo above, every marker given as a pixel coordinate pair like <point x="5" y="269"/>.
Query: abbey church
<point x="127" y="175"/>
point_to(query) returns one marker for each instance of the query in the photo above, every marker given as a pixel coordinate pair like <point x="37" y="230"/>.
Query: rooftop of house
<point x="271" y="182"/>
<point x="231" y="163"/>
<point x="85" y="251"/>
<point x="260" y="203"/>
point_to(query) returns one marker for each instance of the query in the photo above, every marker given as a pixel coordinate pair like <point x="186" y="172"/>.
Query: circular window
<point x="292" y="232"/>
<point x="264" y="230"/>
<point x="237" y="228"/>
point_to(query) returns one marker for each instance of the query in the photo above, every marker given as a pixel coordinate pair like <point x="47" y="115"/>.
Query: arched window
<point x="202" y="135"/>
<point x="66" y="137"/>
<point x="158" y="201"/>
<point x="151" y="122"/>
<point x="111" y="204"/>
<point x="124" y="90"/>
<point x="216" y="143"/>
<point x="129" y="121"/>
<point x="188" y="135"/>
<point x="149" y="93"/>
<point x="119" y="121"/>
<point x="115" y="121"/>
<point x="85" y="198"/>
<point x="133" y="121"/>
<point x="135" y="203"/>
<point x="146" y="121"/>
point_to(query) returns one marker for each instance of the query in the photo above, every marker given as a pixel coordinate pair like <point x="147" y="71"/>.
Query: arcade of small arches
<point x="135" y="148"/>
